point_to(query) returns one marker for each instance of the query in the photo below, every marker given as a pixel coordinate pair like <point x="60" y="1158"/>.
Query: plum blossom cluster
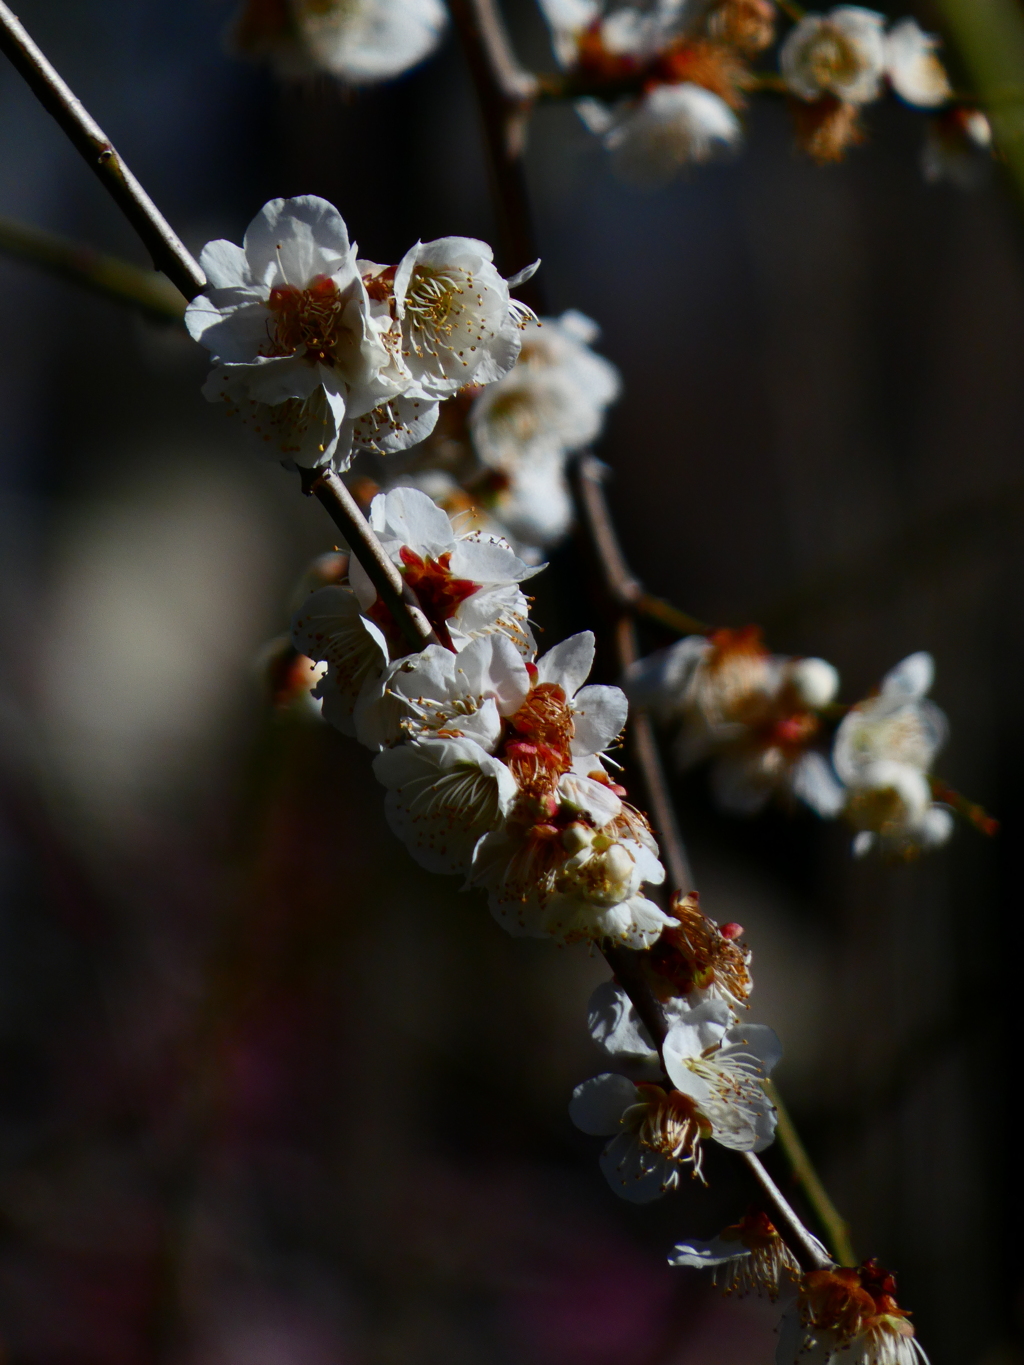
<point x="499" y="453"/>
<point x="705" y="1083"/>
<point x="494" y="759"/>
<point x="850" y="1315"/>
<point x="361" y="42"/>
<point x="322" y="353"/>
<point x="663" y="85"/>
<point x="766" y="725"/>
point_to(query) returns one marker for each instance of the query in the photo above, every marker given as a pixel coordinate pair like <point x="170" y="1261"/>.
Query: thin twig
<point x="145" y="290"/>
<point x="506" y="93"/>
<point x="622" y="589"/>
<point x="397" y="596"/>
<point x="833" y="1224"/>
<point x="168" y="252"/>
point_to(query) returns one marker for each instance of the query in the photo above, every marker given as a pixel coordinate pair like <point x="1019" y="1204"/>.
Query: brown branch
<point x="395" y="593"/>
<point x="168" y="252"/>
<point x="506" y="93"/>
<point x="622" y="589"/>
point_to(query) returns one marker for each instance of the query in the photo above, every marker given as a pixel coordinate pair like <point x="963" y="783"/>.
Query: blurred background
<point x="269" y="1095"/>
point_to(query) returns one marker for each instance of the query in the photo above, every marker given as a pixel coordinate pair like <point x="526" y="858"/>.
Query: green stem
<point x="831" y="1222"/>
<point x="149" y="292"/>
<point x="990" y="36"/>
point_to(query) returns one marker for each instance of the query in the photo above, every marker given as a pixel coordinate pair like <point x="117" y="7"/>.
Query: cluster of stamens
<point x="307" y="320"/>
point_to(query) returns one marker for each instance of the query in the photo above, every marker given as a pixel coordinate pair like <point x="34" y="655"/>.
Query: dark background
<point x="268" y="1094"/>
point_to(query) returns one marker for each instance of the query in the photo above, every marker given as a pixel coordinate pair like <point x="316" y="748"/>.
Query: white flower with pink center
<point x="288" y="320"/>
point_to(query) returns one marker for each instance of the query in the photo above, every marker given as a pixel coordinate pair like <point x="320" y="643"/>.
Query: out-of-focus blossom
<point x="913" y="69"/>
<point x="745" y="24"/>
<point x="467" y="586"/>
<point x="552" y="403"/>
<point x="359" y="41"/>
<point x="848" y="1315"/>
<point x="747" y="1257"/>
<point x="754" y="713"/>
<point x="826" y="128"/>
<point x="842" y="53"/>
<point x="672" y="126"/>
<point x="958" y="148"/>
<point x="883" y="751"/>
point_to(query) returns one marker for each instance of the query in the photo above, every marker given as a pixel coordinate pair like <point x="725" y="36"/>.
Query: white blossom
<point x="533" y="503"/>
<point x="572" y="859"/>
<point x="468" y="588"/>
<point x="458" y="323"/>
<point x="440" y="694"/>
<point x="552" y="403"/>
<point x="672" y="126"/>
<point x="626" y="30"/>
<point x="842" y="53"/>
<point x="883" y="751"/>
<point x="656" y="1134"/>
<point x="747" y="1257"/>
<point x="296" y="349"/>
<point x="467" y="585"/>
<point x="914" y="71"/>
<point x="720" y="1065"/>
<point x="359" y="41"/>
<point x="443" y="796"/>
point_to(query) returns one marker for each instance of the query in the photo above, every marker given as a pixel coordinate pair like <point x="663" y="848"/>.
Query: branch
<point x="622" y="589"/>
<point x="506" y="93"/>
<point x="151" y="294"/>
<point x="397" y="596"/>
<point x="168" y="252"/>
<point x="170" y="255"/>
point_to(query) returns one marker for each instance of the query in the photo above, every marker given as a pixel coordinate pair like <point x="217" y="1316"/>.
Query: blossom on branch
<point x="715" y="1073"/>
<point x="321" y="353"/>
<point x="468" y="588"/>
<point x="747" y="1257"/>
<point x="848" y="1315"/>
<point x="361" y="42"/>
<point x="753" y="713"/>
<point x="842" y="53"/>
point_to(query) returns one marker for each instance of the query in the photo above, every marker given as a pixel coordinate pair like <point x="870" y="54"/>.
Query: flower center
<point x="538" y="747"/>
<point x="433" y="308"/>
<point x="308" y="320"/>
<point x="439" y="592"/>
<point x="671" y="1125"/>
<point x="833" y="59"/>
